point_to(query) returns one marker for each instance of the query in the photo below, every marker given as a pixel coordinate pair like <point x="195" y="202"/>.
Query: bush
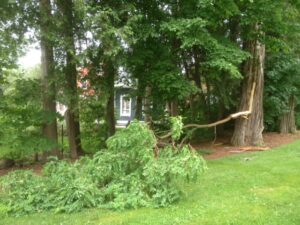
<point x="21" y="118"/>
<point x="125" y="175"/>
<point x="3" y="210"/>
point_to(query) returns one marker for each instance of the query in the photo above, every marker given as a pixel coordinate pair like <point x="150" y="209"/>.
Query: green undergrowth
<point x="260" y="188"/>
<point x="205" y="151"/>
<point x="125" y="175"/>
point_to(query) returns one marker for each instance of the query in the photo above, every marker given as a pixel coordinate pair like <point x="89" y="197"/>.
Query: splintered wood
<point x="243" y="114"/>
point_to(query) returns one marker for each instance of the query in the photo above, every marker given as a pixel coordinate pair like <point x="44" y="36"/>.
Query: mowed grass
<point x="253" y="188"/>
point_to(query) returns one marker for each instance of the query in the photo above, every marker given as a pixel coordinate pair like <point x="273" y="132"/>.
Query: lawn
<point x="253" y="188"/>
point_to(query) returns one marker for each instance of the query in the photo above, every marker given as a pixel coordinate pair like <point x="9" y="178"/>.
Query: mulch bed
<point x="220" y="148"/>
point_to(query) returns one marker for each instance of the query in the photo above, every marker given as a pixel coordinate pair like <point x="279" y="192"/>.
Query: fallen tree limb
<point x="250" y="148"/>
<point x="233" y="116"/>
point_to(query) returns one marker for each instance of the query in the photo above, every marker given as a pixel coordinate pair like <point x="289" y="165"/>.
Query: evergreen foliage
<point x="125" y="175"/>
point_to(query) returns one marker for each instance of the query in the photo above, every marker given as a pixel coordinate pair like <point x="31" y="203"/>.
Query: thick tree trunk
<point x="249" y="131"/>
<point x="48" y="77"/>
<point x="73" y="125"/>
<point x="73" y="132"/>
<point x="287" y="120"/>
<point x="109" y="74"/>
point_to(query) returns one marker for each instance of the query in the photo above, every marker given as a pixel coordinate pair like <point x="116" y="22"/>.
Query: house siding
<point x="119" y="93"/>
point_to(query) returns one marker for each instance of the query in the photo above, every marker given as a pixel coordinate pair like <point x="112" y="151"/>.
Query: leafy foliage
<point x="125" y="175"/>
<point x="21" y="117"/>
<point x="282" y="82"/>
<point x="187" y="54"/>
<point x="177" y="126"/>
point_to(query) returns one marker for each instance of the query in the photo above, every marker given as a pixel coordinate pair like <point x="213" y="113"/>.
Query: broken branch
<point x="243" y="114"/>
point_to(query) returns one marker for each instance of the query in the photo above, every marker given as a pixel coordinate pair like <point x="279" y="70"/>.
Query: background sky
<point x="32" y="58"/>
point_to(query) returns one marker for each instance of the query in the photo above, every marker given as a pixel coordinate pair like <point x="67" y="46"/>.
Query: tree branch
<point x="233" y="116"/>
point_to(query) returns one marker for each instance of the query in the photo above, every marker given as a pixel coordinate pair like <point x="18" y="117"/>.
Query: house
<point x="125" y="102"/>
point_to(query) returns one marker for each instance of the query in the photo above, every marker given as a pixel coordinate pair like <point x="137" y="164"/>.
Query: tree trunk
<point x="196" y="99"/>
<point x="208" y="99"/>
<point x="221" y="115"/>
<point x="48" y="78"/>
<point x="147" y="105"/>
<point x="287" y="120"/>
<point x="174" y="108"/>
<point x="109" y="74"/>
<point x="249" y="131"/>
<point x="197" y="73"/>
<point x="73" y="125"/>
<point x="139" y="102"/>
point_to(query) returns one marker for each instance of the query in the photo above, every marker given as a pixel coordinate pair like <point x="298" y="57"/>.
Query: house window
<point x="125" y="106"/>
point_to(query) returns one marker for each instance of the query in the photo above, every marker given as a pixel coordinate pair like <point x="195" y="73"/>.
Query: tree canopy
<point x="197" y="59"/>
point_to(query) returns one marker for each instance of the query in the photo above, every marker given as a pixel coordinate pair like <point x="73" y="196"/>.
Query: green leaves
<point x="282" y="83"/>
<point x="183" y="27"/>
<point x="126" y="175"/>
<point x="223" y="66"/>
<point x="21" y="116"/>
<point x="176" y="127"/>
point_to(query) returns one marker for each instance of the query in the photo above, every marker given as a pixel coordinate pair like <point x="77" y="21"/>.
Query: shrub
<point x="21" y="117"/>
<point x="3" y="210"/>
<point x="125" y="175"/>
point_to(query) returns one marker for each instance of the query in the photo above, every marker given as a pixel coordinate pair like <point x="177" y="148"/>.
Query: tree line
<point x="198" y="59"/>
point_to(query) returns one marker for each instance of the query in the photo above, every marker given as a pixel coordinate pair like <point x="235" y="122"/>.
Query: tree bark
<point x="147" y="105"/>
<point x="221" y="113"/>
<point x="197" y="98"/>
<point x="139" y="102"/>
<point x="287" y="120"/>
<point x="48" y="78"/>
<point x="73" y="124"/>
<point x="174" y="108"/>
<point x="249" y="131"/>
<point x="197" y="73"/>
<point x="109" y="74"/>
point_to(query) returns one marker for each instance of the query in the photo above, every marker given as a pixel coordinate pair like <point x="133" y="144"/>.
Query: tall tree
<point x="282" y="91"/>
<point x="287" y="119"/>
<point x="109" y="73"/>
<point x="48" y="75"/>
<point x="262" y="23"/>
<point x="249" y="131"/>
<point x="107" y="20"/>
<point x="66" y="8"/>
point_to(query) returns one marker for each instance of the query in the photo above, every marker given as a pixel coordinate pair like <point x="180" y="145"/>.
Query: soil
<point x="220" y="148"/>
<point x="37" y="168"/>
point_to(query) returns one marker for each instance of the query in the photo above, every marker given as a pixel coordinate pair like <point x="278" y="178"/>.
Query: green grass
<point x="254" y="188"/>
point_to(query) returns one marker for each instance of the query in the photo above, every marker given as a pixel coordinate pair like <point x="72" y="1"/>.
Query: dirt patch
<point x="222" y="147"/>
<point x="219" y="149"/>
<point x="37" y="168"/>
